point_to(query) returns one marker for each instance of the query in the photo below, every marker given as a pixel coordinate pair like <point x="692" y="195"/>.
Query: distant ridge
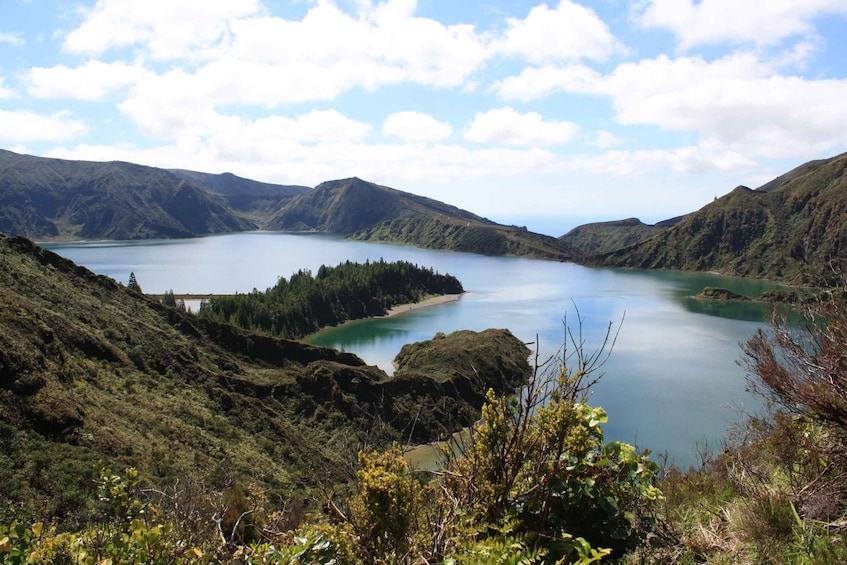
<point x="371" y="212"/>
<point x="257" y="199"/>
<point x="793" y="228"/>
<point x="55" y="199"/>
<point x="350" y="205"/>
<point x="601" y="237"/>
<point x="44" y="198"/>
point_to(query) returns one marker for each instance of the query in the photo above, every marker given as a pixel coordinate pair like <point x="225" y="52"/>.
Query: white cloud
<point x="737" y="102"/>
<point x="315" y="126"/>
<point x="167" y="29"/>
<point x="415" y="126"/>
<point x="381" y="45"/>
<point x="90" y="81"/>
<point x="505" y="126"/>
<point x="693" y="159"/>
<point x="173" y="106"/>
<point x="184" y="120"/>
<point x="710" y="22"/>
<point x="234" y="53"/>
<point x="568" y="32"/>
<point x="539" y="82"/>
<point x="15" y="39"/>
<point x="28" y="126"/>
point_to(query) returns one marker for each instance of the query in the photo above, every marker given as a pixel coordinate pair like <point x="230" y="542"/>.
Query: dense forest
<point x="304" y="303"/>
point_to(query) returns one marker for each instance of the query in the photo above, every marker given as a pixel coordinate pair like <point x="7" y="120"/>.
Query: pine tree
<point x="133" y="283"/>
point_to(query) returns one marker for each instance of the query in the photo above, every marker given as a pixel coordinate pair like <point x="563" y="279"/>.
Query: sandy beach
<point x="434" y="301"/>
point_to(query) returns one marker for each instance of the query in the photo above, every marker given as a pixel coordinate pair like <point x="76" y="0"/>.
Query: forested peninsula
<point x="305" y="303"/>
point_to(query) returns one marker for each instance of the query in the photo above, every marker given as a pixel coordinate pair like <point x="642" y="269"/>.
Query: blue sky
<point x="540" y="114"/>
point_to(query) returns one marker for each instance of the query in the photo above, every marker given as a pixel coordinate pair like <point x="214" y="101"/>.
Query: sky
<point x="540" y="114"/>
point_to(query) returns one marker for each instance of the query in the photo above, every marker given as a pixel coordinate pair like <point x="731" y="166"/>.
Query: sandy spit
<point x="426" y="303"/>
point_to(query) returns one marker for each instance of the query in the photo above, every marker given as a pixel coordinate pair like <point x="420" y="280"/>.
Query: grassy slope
<point x="257" y="200"/>
<point x="377" y="213"/>
<point x="54" y="198"/>
<point x="92" y="373"/>
<point x="485" y="239"/>
<point x="602" y="237"/>
<point x="792" y="231"/>
<point x="350" y="205"/>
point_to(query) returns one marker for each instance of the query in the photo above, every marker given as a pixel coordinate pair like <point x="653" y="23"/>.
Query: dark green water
<point x="671" y="384"/>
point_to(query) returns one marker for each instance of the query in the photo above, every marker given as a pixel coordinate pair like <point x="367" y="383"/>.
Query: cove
<point x="672" y="383"/>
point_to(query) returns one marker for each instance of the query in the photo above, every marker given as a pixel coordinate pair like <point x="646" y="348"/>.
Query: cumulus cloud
<point x="415" y="127"/>
<point x="505" y="126"/>
<point x="568" y="32"/>
<point x="90" y="81"/>
<point x="539" y="82"/>
<point x="329" y="125"/>
<point x="382" y="45"/>
<point x="717" y="21"/>
<point x="736" y="101"/>
<point x="29" y="126"/>
<point x="238" y="53"/>
<point x="702" y="158"/>
<point x="166" y="29"/>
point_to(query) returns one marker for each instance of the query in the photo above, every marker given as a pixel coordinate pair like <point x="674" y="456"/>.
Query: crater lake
<point x="672" y="383"/>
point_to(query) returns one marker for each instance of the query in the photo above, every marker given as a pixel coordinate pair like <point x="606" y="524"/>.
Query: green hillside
<point x="54" y="199"/>
<point x="257" y="200"/>
<point x="793" y="230"/>
<point x="471" y="237"/>
<point x="45" y="199"/>
<point x="350" y="205"/>
<point x="94" y="374"/>
<point x="370" y="212"/>
<point x="601" y="237"/>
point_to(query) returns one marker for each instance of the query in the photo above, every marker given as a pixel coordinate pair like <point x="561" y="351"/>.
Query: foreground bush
<point x="532" y="482"/>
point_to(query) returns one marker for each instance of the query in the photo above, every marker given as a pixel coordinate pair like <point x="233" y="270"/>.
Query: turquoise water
<point x="672" y="383"/>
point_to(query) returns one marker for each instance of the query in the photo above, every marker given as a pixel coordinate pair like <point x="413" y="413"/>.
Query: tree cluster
<point x="304" y="303"/>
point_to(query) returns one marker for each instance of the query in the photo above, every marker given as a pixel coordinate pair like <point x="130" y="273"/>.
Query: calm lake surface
<point x="671" y="385"/>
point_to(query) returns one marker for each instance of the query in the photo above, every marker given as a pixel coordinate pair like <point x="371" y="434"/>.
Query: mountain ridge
<point x="256" y="199"/>
<point x="793" y="228"/>
<point x="53" y="199"/>
<point x="371" y="212"/>
<point x="600" y="237"/>
<point x="46" y="198"/>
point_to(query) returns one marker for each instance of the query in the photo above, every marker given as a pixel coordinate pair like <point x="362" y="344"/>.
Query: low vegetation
<point x="776" y="491"/>
<point x="532" y="481"/>
<point x="44" y="198"/>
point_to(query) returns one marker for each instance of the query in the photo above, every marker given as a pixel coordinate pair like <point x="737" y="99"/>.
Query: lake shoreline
<point x="425" y="303"/>
<point x="396" y="311"/>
